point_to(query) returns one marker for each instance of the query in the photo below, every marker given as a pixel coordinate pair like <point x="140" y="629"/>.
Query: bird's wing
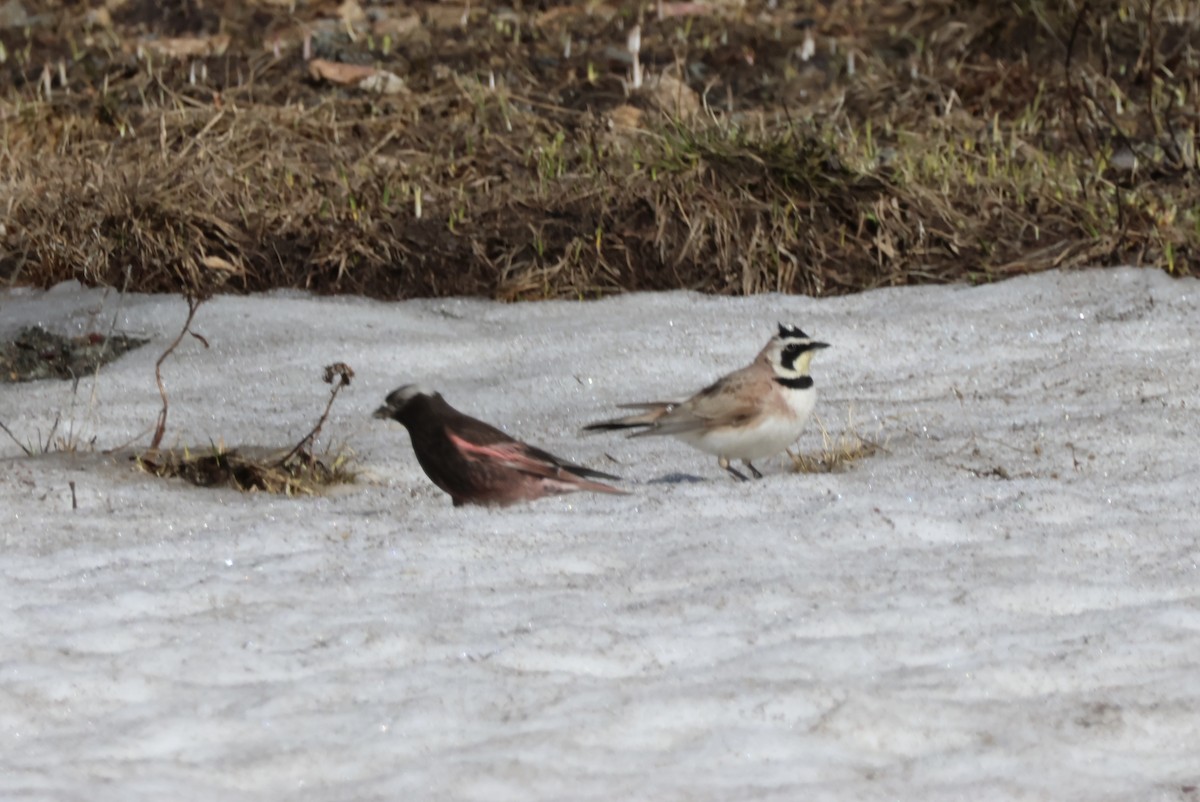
<point x="527" y="459"/>
<point x="558" y="462"/>
<point x="474" y="431"/>
<point x="510" y="453"/>
<point x="520" y="456"/>
<point x="730" y="401"/>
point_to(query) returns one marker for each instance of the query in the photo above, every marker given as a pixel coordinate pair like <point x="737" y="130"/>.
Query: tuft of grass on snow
<point x="251" y="470"/>
<point x="839" y="452"/>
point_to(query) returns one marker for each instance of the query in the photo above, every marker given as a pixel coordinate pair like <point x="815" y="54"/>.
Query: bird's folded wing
<point x="511" y="454"/>
<point x="546" y="458"/>
<point x="728" y="402"/>
<point x="535" y="462"/>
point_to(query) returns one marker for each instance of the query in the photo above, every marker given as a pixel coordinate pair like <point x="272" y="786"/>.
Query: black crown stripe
<point x="790" y="332"/>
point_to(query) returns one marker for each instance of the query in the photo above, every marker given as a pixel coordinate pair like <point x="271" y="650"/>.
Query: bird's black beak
<point x="384" y="412"/>
<point x="818" y="346"/>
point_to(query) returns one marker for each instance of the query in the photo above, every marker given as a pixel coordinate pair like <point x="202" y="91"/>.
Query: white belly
<point x="767" y="437"/>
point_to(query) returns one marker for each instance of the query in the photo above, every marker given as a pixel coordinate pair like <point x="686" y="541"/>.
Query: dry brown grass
<point x="839" y="452"/>
<point x="929" y="142"/>
<point x="250" y="470"/>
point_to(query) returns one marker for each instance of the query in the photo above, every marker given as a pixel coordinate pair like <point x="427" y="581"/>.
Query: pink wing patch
<point x="552" y="478"/>
<point x="512" y="455"/>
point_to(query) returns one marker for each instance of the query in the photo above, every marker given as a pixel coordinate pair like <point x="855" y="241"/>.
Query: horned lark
<point x="750" y="414"/>
<point x="479" y="464"/>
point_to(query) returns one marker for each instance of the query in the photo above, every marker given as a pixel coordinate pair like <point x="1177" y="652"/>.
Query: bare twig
<point x="161" y="427"/>
<point x="50" y="436"/>
<point x="343" y="373"/>
<point x="21" y="445"/>
<point x="43" y="446"/>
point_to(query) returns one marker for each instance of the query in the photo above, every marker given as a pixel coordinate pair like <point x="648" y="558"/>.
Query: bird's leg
<point x="724" y="463"/>
<point x="753" y="470"/>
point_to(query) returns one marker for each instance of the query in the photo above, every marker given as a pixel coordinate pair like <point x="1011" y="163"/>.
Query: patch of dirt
<point x="39" y="354"/>
<point x="284" y="472"/>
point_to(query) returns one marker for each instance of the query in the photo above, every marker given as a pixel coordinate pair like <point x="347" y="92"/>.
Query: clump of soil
<point x="39" y="354"/>
<point x="249" y="469"/>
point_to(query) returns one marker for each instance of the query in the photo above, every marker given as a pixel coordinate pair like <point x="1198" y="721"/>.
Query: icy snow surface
<point x="1004" y="604"/>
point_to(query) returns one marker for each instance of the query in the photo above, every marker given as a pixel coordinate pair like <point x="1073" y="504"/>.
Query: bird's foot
<point x="724" y="463"/>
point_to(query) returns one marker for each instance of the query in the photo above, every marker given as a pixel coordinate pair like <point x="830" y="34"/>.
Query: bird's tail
<point x="577" y="482"/>
<point x="650" y="414"/>
<point x="588" y="473"/>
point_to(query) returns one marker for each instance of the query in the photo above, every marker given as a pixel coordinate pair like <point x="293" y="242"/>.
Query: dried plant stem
<point x="343" y="373"/>
<point x="161" y="427"/>
<point x="13" y="437"/>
